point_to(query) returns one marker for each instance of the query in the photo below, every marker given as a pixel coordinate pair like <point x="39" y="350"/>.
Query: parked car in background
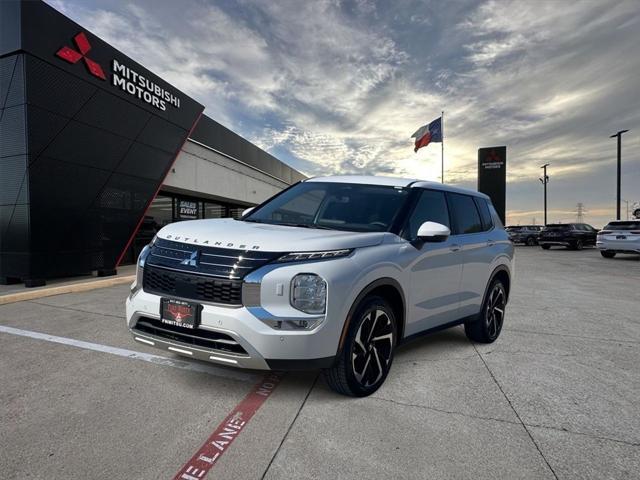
<point x="620" y="236"/>
<point x="571" y="235"/>
<point x="527" y="234"/>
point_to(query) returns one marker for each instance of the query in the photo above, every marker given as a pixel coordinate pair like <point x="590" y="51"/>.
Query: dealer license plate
<point x="179" y="313"/>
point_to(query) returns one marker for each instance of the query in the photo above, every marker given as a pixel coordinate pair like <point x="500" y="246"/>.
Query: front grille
<point x="191" y="286"/>
<point x="226" y="263"/>
<point x="197" y="337"/>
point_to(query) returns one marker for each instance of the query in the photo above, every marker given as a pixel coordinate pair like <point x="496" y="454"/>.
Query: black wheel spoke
<point x="372" y="347"/>
<point x="495" y="311"/>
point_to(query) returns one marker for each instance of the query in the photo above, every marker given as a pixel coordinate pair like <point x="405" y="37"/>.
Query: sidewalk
<point x="83" y="283"/>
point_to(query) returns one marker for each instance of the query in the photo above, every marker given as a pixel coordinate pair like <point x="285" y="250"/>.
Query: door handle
<point x="491" y="243"/>
<point x="455" y="247"/>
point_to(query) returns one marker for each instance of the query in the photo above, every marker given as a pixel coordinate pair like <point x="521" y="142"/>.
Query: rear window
<point x="630" y="225"/>
<point x="485" y="214"/>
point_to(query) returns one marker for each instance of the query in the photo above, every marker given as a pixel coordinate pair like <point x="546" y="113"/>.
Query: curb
<point x="62" y="289"/>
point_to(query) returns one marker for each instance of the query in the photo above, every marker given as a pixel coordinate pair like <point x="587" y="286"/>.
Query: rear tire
<point x="545" y="247"/>
<point x="607" y="253"/>
<point x="487" y="327"/>
<point x="362" y="366"/>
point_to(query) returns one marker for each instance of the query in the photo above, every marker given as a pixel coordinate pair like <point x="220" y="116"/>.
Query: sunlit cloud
<point x="338" y="87"/>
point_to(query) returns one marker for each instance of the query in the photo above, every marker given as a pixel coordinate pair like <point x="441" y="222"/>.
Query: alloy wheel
<point x="372" y="348"/>
<point x="494" y="315"/>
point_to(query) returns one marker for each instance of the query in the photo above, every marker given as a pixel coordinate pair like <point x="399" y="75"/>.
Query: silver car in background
<point x="620" y="236"/>
<point x="332" y="273"/>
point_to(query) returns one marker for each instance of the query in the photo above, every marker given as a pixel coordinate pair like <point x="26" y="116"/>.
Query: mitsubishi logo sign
<point x="192" y="261"/>
<point x="74" y="56"/>
<point x="123" y="76"/>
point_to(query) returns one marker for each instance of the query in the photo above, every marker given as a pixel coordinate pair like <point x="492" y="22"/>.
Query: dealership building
<point x="97" y="152"/>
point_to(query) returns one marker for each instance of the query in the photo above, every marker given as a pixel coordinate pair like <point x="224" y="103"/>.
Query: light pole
<point x="619" y="136"/>
<point x="545" y="180"/>
<point x="627" y="202"/>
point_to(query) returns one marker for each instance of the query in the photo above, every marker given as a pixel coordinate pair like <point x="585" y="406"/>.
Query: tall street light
<point x="545" y="180"/>
<point x="619" y="135"/>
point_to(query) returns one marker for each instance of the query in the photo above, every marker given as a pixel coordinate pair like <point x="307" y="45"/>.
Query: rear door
<point x="434" y="269"/>
<point x="477" y="245"/>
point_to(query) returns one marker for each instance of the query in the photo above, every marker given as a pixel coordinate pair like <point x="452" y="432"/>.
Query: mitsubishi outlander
<point x="332" y="273"/>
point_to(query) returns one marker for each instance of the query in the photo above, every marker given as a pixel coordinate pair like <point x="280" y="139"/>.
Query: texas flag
<point x="428" y="133"/>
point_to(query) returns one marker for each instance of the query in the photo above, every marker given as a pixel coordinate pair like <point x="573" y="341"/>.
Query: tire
<point x="487" y="327"/>
<point x="545" y="247"/>
<point x="363" y="364"/>
<point x="577" y="245"/>
<point x="607" y="253"/>
<point x="530" y="242"/>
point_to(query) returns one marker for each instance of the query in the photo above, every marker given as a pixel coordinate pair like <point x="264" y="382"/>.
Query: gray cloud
<point x="338" y="86"/>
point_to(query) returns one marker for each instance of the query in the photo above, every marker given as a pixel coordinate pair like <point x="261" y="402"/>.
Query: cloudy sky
<point x="339" y="86"/>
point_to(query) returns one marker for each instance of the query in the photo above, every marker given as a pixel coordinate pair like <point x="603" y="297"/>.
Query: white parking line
<point x="121" y="352"/>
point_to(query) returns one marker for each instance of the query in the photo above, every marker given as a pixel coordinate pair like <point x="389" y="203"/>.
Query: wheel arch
<point x="501" y="272"/>
<point x="388" y="288"/>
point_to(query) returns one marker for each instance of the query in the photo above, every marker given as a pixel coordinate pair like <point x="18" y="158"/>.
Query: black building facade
<point x="87" y="136"/>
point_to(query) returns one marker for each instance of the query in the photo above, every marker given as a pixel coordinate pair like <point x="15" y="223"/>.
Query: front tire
<point x="578" y="245"/>
<point x="607" y="253"/>
<point x="545" y="246"/>
<point x="531" y="242"/>
<point x="366" y="357"/>
<point x="487" y="327"/>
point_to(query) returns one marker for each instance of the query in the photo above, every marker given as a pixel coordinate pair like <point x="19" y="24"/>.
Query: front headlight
<point x="137" y="283"/>
<point x="302" y="256"/>
<point x="309" y="293"/>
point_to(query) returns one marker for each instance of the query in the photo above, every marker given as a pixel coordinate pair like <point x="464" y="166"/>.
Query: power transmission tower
<point x="580" y="211"/>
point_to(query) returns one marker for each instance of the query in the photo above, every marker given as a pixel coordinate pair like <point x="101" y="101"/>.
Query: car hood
<point x="235" y="234"/>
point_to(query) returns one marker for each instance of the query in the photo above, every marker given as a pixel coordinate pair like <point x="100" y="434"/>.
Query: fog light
<point x="309" y="293"/>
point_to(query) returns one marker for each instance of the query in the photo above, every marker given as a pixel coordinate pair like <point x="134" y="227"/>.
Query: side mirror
<point x="433" y="232"/>
<point x="247" y="211"/>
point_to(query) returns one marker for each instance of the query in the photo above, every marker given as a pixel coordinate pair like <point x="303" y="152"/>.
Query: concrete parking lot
<point x="557" y="396"/>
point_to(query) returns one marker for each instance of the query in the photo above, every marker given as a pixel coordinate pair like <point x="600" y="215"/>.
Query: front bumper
<point x="257" y="345"/>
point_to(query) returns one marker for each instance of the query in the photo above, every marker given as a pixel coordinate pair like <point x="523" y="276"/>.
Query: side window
<point x="485" y="215"/>
<point x="431" y="207"/>
<point x="464" y="214"/>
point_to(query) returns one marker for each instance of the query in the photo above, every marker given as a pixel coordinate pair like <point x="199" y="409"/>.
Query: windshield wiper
<point x="304" y="225"/>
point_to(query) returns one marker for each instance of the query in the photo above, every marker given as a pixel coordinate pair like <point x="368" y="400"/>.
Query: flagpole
<point x="442" y="132"/>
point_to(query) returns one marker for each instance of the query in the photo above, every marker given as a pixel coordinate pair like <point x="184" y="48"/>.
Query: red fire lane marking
<point x="224" y="435"/>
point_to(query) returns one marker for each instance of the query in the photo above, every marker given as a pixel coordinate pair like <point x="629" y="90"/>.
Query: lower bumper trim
<point x="208" y="355"/>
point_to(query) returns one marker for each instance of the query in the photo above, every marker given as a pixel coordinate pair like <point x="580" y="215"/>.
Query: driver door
<point x="434" y="271"/>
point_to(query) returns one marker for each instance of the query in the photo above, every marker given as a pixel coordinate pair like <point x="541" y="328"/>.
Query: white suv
<point x="619" y="236"/>
<point x="331" y="273"/>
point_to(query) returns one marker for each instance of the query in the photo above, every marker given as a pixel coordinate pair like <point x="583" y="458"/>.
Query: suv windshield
<point x="630" y="225"/>
<point x="336" y="206"/>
